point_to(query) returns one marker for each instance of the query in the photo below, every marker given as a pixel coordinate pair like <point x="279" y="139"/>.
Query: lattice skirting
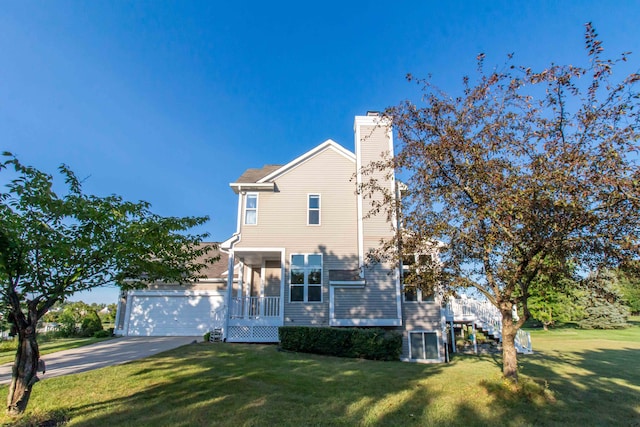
<point x="252" y="334"/>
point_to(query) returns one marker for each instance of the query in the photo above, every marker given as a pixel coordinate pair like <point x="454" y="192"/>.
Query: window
<point x="424" y="345"/>
<point x="313" y="217"/>
<point x="306" y="278"/>
<point x="251" y="209"/>
<point x="411" y="278"/>
<point x="415" y="294"/>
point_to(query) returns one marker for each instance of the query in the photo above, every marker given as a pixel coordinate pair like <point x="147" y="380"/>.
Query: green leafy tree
<point x="90" y="323"/>
<point x="52" y="246"/>
<point x="628" y="286"/>
<point x="602" y="303"/>
<point x="70" y="317"/>
<point x="524" y="166"/>
<point x="108" y="315"/>
<point x="551" y="302"/>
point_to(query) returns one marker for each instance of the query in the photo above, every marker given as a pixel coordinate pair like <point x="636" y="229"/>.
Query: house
<point x="302" y="236"/>
<point x="298" y="257"/>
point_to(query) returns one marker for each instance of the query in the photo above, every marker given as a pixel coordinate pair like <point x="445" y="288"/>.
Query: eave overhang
<point x="239" y="187"/>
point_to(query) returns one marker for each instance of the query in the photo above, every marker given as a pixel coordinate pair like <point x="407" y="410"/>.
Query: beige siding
<point x="421" y="316"/>
<point x="282" y="215"/>
<point x="375" y="142"/>
<point x="282" y="223"/>
<point x="307" y="314"/>
<point x="272" y="279"/>
<point x="378" y="299"/>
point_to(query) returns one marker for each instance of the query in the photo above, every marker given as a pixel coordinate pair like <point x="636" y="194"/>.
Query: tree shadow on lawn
<point x="256" y="385"/>
<point x="592" y="387"/>
<point x="233" y="387"/>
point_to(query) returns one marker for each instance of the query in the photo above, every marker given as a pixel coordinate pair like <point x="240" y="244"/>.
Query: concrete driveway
<point x="105" y="353"/>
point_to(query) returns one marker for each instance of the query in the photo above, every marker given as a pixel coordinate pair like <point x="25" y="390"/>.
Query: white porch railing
<point x="254" y="307"/>
<point x="486" y="316"/>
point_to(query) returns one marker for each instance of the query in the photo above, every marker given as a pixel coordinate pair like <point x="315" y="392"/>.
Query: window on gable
<point x="313" y="216"/>
<point x="306" y="278"/>
<point x="251" y="209"/>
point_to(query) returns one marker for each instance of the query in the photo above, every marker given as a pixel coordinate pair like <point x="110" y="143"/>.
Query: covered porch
<point x="256" y="299"/>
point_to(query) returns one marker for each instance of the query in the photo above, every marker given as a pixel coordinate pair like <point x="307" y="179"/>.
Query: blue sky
<point x="169" y="102"/>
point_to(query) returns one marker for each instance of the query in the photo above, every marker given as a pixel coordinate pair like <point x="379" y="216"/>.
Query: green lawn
<point x="574" y="378"/>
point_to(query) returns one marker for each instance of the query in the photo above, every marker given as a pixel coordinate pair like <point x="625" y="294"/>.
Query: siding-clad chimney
<point x="373" y="139"/>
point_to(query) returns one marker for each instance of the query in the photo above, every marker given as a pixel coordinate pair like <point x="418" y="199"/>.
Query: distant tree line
<point x="603" y="300"/>
<point x="79" y="319"/>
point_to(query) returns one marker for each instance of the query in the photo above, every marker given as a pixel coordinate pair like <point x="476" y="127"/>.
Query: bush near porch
<point x="373" y="344"/>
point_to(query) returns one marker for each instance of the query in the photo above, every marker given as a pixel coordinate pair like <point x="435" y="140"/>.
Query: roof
<point x="256" y="174"/>
<point x="218" y="268"/>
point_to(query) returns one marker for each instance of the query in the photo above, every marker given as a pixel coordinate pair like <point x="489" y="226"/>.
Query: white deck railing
<point x="254" y="307"/>
<point x="488" y="317"/>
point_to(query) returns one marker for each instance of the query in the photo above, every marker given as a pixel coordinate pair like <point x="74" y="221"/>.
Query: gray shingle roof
<point x="215" y="270"/>
<point x="255" y="175"/>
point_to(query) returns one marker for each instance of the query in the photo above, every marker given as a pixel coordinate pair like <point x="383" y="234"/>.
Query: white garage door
<point x="172" y="314"/>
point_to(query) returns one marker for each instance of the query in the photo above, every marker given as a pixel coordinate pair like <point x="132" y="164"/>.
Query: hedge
<point x="374" y="343"/>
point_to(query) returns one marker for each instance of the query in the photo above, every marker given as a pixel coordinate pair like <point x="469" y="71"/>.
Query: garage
<point x="171" y="313"/>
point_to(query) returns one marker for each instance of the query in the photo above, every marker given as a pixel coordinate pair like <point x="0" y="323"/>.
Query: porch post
<point x="282" y="282"/>
<point x="475" y="341"/>
<point x="453" y="339"/>
<point x="230" y="265"/>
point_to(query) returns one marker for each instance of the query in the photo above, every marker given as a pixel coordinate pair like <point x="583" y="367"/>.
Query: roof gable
<point x="329" y="144"/>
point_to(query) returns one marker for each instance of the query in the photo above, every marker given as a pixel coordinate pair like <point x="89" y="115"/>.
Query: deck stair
<point x="486" y="317"/>
<point x="215" y="335"/>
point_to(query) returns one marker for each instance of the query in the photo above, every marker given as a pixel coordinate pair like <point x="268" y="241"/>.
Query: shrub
<point x="101" y="334"/>
<point x="206" y="337"/>
<point x="90" y="324"/>
<point x="375" y="343"/>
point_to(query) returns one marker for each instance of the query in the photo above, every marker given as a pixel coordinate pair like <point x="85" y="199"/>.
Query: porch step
<point x="216" y="335"/>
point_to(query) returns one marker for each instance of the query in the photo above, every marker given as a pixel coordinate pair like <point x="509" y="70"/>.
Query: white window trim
<point x="422" y="332"/>
<point x="246" y="196"/>
<point x="306" y="285"/>
<point x="419" y="299"/>
<point x="319" y="208"/>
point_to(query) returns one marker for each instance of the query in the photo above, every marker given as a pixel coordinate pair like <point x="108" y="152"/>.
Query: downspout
<point x="228" y="248"/>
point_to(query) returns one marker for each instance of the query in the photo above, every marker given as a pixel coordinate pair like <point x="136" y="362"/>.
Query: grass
<point x="46" y="346"/>
<point x="574" y="378"/>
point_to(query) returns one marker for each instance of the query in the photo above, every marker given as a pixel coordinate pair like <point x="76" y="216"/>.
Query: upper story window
<point x="313" y="216"/>
<point x="412" y="278"/>
<point x="251" y="209"/>
<point x="306" y="277"/>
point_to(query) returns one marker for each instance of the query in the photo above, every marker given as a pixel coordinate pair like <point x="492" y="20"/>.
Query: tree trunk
<point x="24" y="373"/>
<point x="509" y="354"/>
